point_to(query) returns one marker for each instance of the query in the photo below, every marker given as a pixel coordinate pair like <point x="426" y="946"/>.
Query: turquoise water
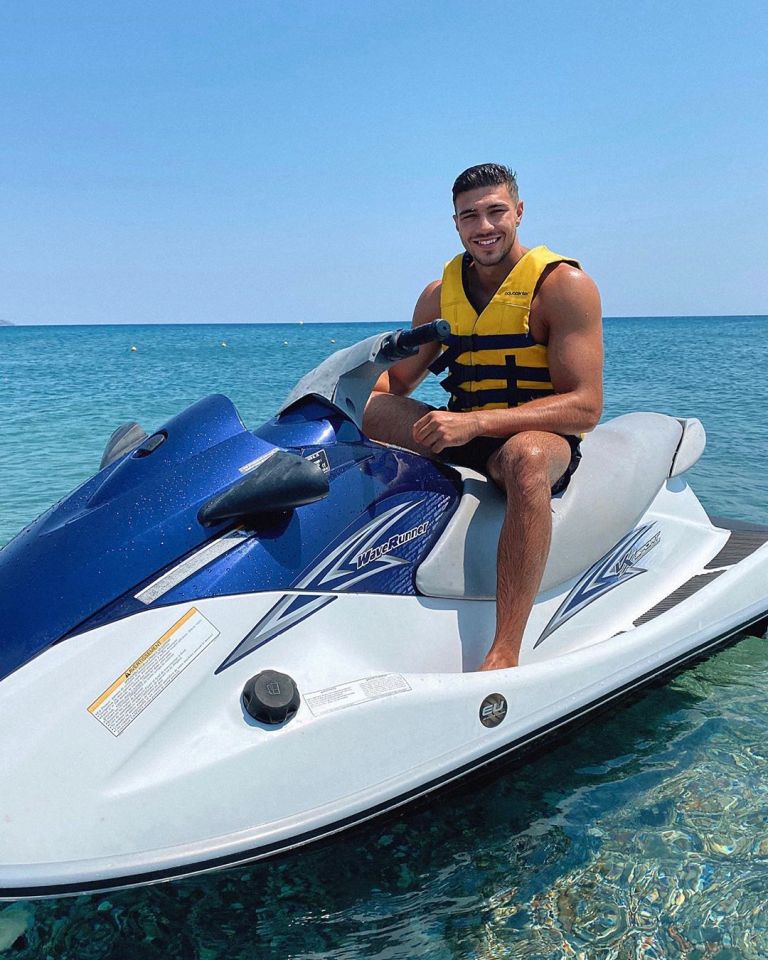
<point x="641" y="834"/>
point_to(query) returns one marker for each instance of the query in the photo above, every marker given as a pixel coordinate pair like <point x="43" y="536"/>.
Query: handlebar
<point x="406" y="343"/>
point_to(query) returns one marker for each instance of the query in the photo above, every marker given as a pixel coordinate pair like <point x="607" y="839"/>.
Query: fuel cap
<point x="271" y="697"/>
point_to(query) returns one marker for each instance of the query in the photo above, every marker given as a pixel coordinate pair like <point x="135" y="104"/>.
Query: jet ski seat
<point x="625" y="462"/>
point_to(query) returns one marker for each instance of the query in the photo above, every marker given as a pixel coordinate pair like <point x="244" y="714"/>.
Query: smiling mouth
<point x="487" y="241"/>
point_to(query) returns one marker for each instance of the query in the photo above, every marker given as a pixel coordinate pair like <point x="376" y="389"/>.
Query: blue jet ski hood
<point x="135" y="517"/>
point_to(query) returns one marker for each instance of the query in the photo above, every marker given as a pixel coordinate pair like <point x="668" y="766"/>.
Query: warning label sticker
<point x="151" y="673"/>
<point x="356" y="691"/>
<point x="320" y="457"/>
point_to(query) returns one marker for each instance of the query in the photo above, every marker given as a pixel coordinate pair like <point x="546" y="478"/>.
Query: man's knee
<point x="382" y="417"/>
<point x="375" y="417"/>
<point x="521" y="456"/>
<point x="390" y="418"/>
<point x="527" y="462"/>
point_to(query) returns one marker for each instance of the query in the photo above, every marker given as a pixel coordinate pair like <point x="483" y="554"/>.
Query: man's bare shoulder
<point x="566" y="286"/>
<point x="427" y="306"/>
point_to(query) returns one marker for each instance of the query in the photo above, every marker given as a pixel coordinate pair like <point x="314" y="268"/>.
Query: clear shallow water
<point x="642" y="834"/>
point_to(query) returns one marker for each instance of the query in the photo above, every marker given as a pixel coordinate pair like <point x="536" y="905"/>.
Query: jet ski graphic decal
<point x="359" y="556"/>
<point x="618" y="566"/>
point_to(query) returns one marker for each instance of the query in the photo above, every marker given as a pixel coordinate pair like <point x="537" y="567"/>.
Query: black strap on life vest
<point x="467" y="373"/>
<point x="456" y="345"/>
<point x="511" y="395"/>
<point x="465" y="399"/>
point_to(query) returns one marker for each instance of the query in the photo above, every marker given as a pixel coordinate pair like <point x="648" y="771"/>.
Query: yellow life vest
<point x="492" y="359"/>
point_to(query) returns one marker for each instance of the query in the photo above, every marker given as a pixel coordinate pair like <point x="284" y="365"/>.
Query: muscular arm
<point x="405" y="376"/>
<point x="567" y="310"/>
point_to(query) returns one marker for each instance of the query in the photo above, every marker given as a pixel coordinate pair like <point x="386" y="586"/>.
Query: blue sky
<point x="233" y="161"/>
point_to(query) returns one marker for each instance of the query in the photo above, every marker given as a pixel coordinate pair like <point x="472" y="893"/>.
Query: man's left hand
<point x="440" y="429"/>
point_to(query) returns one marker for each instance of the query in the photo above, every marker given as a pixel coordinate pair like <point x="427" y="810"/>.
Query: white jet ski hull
<point x="143" y="765"/>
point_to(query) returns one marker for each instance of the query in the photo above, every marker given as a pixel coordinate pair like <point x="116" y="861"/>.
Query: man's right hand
<point x="403" y="378"/>
<point x="440" y="429"/>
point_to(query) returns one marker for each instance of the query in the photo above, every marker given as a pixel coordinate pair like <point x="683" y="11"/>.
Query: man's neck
<point x="487" y="280"/>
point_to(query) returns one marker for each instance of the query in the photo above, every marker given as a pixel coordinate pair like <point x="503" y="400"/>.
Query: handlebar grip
<point x="426" y="333"/>
<point x="405" y="343"/>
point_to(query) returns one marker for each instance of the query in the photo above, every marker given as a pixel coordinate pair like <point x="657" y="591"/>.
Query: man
<point x="525" y="377"/>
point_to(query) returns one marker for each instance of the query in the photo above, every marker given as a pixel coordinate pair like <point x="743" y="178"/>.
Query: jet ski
<point x="230" y="642"/>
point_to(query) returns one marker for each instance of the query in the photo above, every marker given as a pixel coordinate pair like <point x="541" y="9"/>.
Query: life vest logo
<point x="493" y="710"/>
<point x="617" y="566"/>
<point x="517" y="293"/>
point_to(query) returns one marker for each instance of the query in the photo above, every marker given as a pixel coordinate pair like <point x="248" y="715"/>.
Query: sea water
<point x="641" y="834"/>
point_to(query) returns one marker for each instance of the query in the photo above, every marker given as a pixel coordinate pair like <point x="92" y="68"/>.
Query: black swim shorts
<point x="477" y="452"/>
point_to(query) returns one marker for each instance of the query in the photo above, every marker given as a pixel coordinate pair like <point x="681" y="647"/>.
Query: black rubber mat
<point x="745" y="538"/>
<point x="682" y="593"/>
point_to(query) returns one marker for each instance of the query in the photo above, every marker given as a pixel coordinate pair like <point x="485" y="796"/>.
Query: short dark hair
<point x="486" y="175"/>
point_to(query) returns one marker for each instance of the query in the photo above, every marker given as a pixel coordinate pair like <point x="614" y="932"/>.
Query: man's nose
<point x="484" y="222"/>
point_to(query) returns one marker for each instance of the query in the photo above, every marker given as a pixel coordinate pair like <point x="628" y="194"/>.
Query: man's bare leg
<point x="390" y="419"/>
<point x="525" y="468"/>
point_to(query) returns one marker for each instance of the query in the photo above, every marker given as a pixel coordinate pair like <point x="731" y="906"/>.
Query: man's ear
<point x="519" y="211"/>
<point x="456" y="222"/>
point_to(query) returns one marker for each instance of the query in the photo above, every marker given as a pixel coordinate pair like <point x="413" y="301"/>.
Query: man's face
<point x="487" y="220"/>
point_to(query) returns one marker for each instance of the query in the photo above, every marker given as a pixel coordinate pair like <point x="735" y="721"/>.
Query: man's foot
<point x="500" y="659"/>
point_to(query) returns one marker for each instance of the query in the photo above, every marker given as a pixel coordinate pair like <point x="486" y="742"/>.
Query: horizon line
<point x="324" y="323"/>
